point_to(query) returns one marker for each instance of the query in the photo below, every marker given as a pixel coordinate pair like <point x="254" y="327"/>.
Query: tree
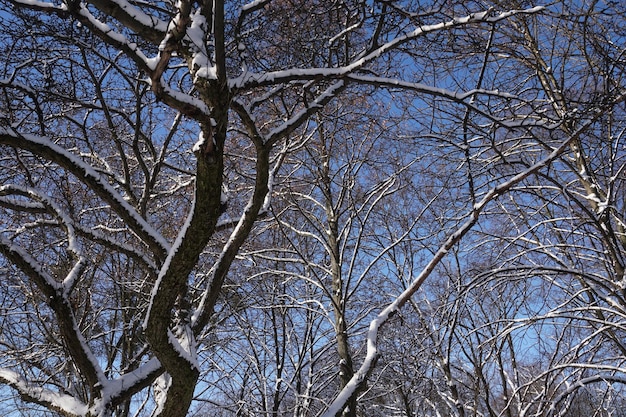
<point x="143" y="144"/>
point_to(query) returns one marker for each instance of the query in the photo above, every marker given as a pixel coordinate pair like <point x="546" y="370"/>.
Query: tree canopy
<point x="312" y="208"/>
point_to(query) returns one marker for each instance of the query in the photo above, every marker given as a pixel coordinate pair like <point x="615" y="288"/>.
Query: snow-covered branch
<point x="34" y="392"/>
<point x="453" y="239"/>
<point x="57" y="296"/>
<point x="252" y="80"/>
<point x="44" y="147"/>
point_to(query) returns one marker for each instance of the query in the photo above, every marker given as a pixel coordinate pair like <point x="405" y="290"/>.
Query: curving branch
<point x="361" y="375"/>
<point x="57" y="299"/>
<point x="47" y="149"/>
<point x="146" y="26"/>
<point x="250" y="80"/>
<point x="66" y="405"/>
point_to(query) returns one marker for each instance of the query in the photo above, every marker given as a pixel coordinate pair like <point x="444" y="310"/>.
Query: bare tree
<point x="142" y="145"/>
<point x="531" y="319"/>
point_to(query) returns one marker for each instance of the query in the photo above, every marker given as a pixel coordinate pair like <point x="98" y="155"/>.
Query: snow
<point x="66" y="403"/>
<point x="113" y="35"/>
<point x="152" y="63"/>
<point x="453" y="95"/>
<point x="593" y="197"/>
<point x="185" y="344"/>
<point x="70" y="280"/>
<point x="42" y="4"/>
<point x="252" y="5"/>
<point x="102" y="379"/>
<point x="168" y="260"/>
<point x="198" y="145"/>
<point x="268" y="197"/>
<point x="311" y="73"/>
<point x="32" y="262"/>
<point x="507" y="14"/>
<point x="90" y="173"/>
<point x="184" y="98"/>
<point x="225" y="194"/>
<point x="372" y="334"/>
<point x="208" y="72"/>
<point x="330" y="92"/>
<point x="343" y="32"/>
<point x="15" y="84"/>
<point x="284" y="75"/>
<point x="114" y="388"/>
<point x="105" y="237"/>
<point x="141" y="17"/>
<point x="62" y="289"/>
<point x="368" y="363"/>
<point x="27" y="205"/>
<point x="171" y="27"/>
<point x="196" y="35"/>
<point x="67" y="221"/>
<point x="161" y="386"/>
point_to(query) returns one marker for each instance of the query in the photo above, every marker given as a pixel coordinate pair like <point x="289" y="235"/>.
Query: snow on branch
<point x="196" y="35"/>
<point x="31" y="392"/>
<point x="185" y="103"/>
<point x="183" y="341"/>
<point x="72" y="246"/>
<point x="29" y="265"/>
<point x="131" y="380"/>
<point x="6" y="200"/>
<point x="42" y="5"/>
<point x="109" y="35"/>
<point x="250" y="80"/>
<point x="57" y="298"/>
<point x="509" y="13"/>
<point x="254" y="5"/>
<point x="361" y="375"/>
<point x="105" y="239"/>
<point x="300" y="117"/>
<point x="148" y="26"/>
<point x="424" y="88"/>
<point x="51" y="207"/>
<point x="67" y="223"/>
<point x="46" y="148"/>
<point x="166" y="264"/>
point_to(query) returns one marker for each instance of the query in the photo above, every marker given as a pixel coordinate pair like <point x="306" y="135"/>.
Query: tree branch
<point x="47" y="149"/>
